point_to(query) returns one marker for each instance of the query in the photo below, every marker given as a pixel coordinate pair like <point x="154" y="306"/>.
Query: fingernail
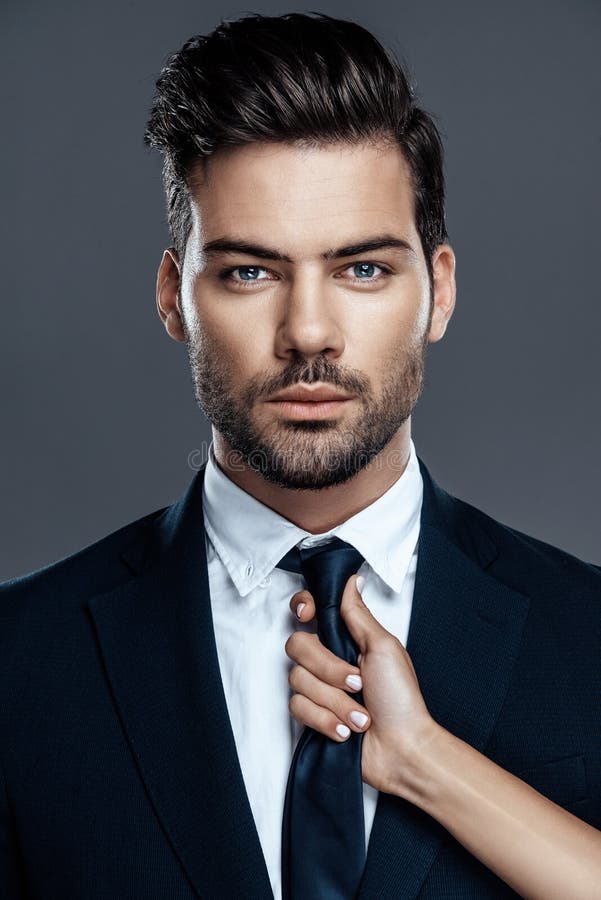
<point x="354" y="681"/>
<point x="343" y="730"/>
<point x="358" y="718"/>
<point x="299" y="609"/>
<point x="360" y="583"/>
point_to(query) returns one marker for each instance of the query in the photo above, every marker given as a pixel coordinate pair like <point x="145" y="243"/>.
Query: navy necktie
<point x="323" y="829"/>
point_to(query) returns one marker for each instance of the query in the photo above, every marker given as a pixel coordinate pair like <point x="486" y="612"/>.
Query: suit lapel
<point x="463" y="640"/>
<point x="157" y="642"/>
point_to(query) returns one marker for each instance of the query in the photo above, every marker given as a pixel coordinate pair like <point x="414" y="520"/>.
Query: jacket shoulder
<point x="529" y="557"/>
<point x="93" y="569"/>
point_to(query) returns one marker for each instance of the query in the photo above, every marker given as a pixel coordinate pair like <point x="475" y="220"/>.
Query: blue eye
<point x="248" y="273"/>
<point x="244" y="276"/>
<point x="364" y="270"/>
<point x="367" y="272"/>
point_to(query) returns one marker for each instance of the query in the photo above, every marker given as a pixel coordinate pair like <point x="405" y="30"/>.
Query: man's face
<point x="255" y="323"/>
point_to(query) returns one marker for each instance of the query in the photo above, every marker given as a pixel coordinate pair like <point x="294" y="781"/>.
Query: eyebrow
<point x="382" y="242"/>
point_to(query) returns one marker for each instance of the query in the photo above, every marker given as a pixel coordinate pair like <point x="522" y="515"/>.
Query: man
<point x="148" y="725"/>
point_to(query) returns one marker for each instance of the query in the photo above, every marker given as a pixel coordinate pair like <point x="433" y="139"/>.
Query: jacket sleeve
<point x="11" y="885"/>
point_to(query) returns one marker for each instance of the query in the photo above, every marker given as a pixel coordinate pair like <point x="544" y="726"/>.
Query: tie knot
<point x="326" y="569"/>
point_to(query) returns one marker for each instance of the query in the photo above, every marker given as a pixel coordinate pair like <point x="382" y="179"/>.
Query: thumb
<point x="363" y="626"/>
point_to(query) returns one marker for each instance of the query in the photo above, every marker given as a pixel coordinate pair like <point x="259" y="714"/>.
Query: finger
<point x="323" y="720"/>
<point x="363" y="626"/>
<point x="307" y="650"/>
<point x="347" y="710"/>
<point x="302" y="605"/>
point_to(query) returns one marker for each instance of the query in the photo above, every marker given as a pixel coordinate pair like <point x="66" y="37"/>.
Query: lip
<point x="310" y="410"/>
<point x="302" y="393"/>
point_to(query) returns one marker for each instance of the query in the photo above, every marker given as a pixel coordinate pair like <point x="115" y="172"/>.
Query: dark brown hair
<point x="298" y="78"/>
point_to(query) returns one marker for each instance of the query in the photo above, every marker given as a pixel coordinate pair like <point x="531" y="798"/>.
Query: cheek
<point x="384" y="331"/>
<point x="213" y="327"/>
<point x="234" y="344"/>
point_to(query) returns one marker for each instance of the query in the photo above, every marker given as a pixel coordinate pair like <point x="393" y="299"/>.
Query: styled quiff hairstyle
<point x="296" y="78"/>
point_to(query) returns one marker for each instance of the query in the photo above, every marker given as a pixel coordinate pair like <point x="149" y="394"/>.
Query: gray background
<point x="99" y="422"/>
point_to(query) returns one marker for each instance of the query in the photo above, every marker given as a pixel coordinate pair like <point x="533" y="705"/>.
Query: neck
<point x="318" y="511"/>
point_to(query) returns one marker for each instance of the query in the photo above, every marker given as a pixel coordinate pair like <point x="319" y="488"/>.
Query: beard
<point x="307" y="454"/>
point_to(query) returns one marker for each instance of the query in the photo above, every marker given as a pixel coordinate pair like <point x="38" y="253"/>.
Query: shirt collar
<point x="250" y="538"/>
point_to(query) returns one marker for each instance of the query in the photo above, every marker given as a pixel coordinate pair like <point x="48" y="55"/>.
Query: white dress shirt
<point x="245" y="539"/>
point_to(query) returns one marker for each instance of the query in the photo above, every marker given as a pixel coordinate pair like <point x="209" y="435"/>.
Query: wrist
<point x="418" y="765"/>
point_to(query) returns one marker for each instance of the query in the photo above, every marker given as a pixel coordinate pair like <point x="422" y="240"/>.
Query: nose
<point x="309" y="321"/>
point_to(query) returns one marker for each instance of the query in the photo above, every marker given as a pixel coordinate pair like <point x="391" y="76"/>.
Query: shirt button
<point x="265" y="582"/>
<point x="249" y="569"/>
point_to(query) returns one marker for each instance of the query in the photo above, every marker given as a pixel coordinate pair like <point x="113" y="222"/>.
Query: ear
<point x="167" y="295"/>
<point x="444" y="290"/>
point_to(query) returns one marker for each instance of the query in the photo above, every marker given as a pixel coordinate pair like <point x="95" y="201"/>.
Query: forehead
<point x="302" y="197"/>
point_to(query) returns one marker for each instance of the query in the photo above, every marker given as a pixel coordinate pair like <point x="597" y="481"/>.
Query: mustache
<point x="324" y="373"/>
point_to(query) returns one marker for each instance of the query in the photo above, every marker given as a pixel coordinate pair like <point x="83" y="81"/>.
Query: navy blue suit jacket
<point x="119" y="774"/>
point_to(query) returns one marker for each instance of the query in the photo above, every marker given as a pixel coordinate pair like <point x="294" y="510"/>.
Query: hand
<point x="398" y="722"/>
